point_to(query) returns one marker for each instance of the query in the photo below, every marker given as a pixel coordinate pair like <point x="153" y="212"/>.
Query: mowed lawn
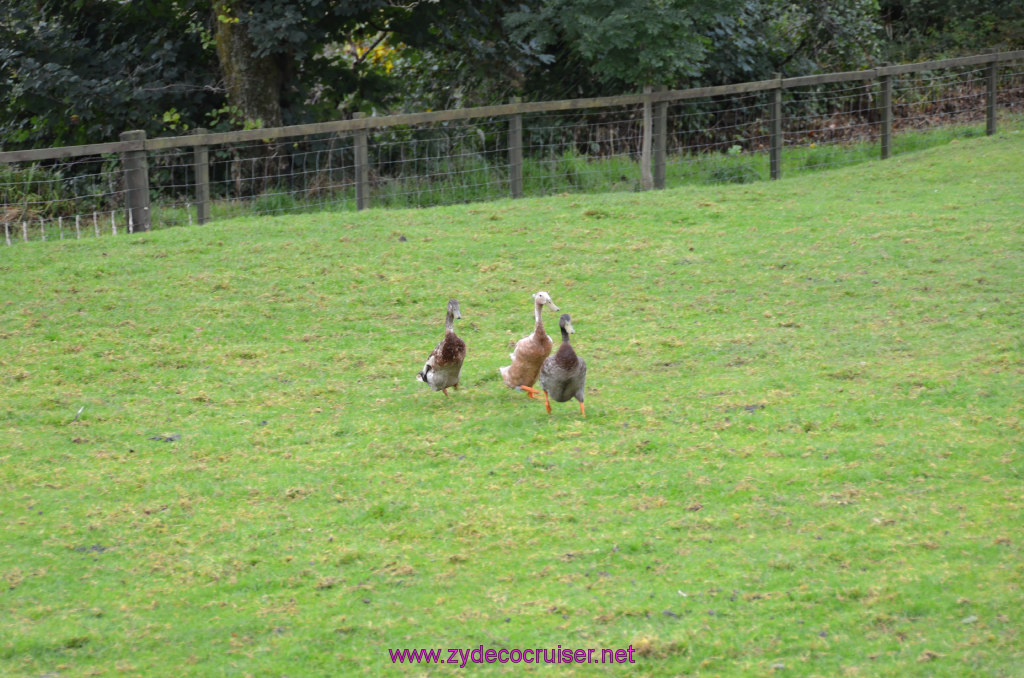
<point x="802" y="454"/>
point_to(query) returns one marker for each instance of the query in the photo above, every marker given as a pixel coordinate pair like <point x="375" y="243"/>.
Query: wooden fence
<point x="134" y="146"/>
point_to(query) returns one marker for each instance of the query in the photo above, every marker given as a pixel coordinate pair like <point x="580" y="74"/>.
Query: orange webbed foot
<point x="530" y="392"/>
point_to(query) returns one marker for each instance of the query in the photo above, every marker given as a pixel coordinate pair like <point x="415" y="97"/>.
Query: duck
<point x="530" y="351"/>
<point x="444" y="364"/>
<point x="564" y="375"/>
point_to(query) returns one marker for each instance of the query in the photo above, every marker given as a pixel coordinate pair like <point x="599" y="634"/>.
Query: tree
<point x="85" y="70"/>
<point x="277" y="56"/>
<point x="619" y="44"/>
<point x="80" y="71"/>
<point x="267" y="51"/>
<point x="931" y="28"/>
<point x="792" y="37"/>
<point x="463" y="53"/>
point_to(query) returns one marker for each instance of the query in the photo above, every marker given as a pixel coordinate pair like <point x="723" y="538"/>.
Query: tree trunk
<point x="254" y="87"/>
<point x="254" y="82"/>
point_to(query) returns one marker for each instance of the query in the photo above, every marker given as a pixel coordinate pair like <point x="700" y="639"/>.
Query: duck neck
<point x="449" y="323"/>
<point x="565" y="335"/>
<point x="537" y="308"/>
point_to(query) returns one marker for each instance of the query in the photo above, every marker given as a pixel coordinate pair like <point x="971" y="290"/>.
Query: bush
<point x="277" y="201"/>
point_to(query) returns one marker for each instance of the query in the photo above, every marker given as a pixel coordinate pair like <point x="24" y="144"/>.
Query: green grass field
<point x="802" y="454"/>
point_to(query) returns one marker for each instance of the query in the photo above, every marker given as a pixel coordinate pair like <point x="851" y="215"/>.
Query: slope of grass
<point x="801" y="456"/>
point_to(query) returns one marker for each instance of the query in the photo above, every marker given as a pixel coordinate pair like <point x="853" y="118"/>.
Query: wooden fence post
<point x="515" y="152"/>
<point x="660" y="141"/>
<point x="886" y="115"/>
<point x="775" y="159"/>
<point x="990" y="112"/>
<point x="646" y="176"/>
<point x="362" y="166"/>
<point x="136" y="179"/>
<point x="202" y="170"/>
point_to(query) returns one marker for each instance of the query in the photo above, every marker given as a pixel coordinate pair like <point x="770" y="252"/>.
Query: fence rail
<point x="499" y="150"/>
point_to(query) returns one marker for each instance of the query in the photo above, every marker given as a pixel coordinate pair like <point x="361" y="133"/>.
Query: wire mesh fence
<point x="295" y="175"/>
<point x="941" y="98"/>
<point x="1010" y="91"/>
<point x="438" y="164"/>
<point x="582" y="152"/>
<point x="65" y="199"/>
<point x="716" y="140"/>
<point x="824" y="127"/>
<point x="721" y="138"/>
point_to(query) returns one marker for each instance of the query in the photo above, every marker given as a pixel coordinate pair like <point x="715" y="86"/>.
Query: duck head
<point x="543" y="299"/>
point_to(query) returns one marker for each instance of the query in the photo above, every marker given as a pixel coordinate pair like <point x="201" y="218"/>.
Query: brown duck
<point x="445" y="362"/>
<point x="530" y="352"/>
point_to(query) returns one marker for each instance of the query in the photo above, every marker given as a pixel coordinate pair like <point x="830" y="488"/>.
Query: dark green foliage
<point x="84" y="71"/>
<point x="622" y="44"/>
<point x="734" y="174"/>
<point x="277" y="201"/>
<point x="921" y="29"/>
<point x="287" y="40"/>
<point x="448" y="48"/>
<point x="81" y="71"/>
<point x="765" y="37"/>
